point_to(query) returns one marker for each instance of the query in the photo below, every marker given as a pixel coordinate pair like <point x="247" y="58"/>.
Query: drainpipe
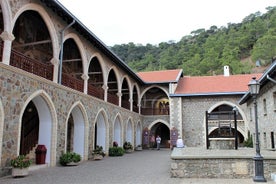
<point x="61" y="50"/>
<point x="269" y="78"/>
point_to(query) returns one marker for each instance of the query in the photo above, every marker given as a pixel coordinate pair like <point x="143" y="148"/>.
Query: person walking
<point x="158" y="141"/>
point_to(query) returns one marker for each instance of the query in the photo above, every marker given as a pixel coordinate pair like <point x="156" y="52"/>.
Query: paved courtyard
<point x="139" y="167"/>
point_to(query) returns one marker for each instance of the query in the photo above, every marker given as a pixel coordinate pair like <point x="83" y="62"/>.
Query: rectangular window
<point x="274" y="101"/>
<point x="265" y="140"/>
<point x="250" y="115"/>
<point x="272" y="140"/>
<point x="265" y="109"/>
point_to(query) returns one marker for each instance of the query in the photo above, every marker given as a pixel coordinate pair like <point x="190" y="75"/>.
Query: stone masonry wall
<point x="193" y="116"/>
<point x="16" y="86"/>
<point x="266" y="109"/>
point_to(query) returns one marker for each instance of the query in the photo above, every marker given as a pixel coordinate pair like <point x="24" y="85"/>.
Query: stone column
<point x="85" y="77"/>
<point x="119" y="94"/>
<point x="55" y="62"/>
<point x="105" y="87"/>
<point x="131" y="104"/>
<point x="139" y="108"/>
<point x="7" y="38"/>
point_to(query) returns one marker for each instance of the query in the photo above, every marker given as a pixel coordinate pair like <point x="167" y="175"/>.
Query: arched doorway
<point x="117" y="135"/>
<point x="29" y="129"/>
<point x="139" y="134"/>
<point x="36" y="128"/>
<point x="100" y="131"/>
<point x="129" y="132"/>
<point x="76" y="132"/>
<point x="163" y="131"/>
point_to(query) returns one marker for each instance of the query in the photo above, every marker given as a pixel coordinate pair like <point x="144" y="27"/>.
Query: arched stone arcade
<point x="46" y="122"/>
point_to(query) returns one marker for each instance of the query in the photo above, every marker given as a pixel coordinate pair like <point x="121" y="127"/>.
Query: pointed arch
<point x="126" y="93"/>
<point x="162" y="128"/>
<point x="129" y="131"/>
<point x="48" y="21"/>
<point x="96" y="77"/>
<point x="135" y="98"/>
<point x="113" y="86"/>
<point x="138" y="137"/>
<point x="155" y="101"/>
<point x="47" y="123"/>
<point x="101" y="63"/>
<point x="243" y="129"/>
<point x="7" y="15"/>
<point x="81" y="50"/>
<point x="101" y="129"/>
<point x="118" y="130"/>
<point x="80" y="133"/>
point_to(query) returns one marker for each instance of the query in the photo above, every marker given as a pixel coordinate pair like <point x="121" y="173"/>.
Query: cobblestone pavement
<point x="139" y="167"/>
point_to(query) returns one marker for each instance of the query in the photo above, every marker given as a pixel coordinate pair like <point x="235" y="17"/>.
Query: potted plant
<point x="128" y="147"/>
<point x="20" y="166"/>
<point x="98" y="153"/>
<point x="138" y="148"/>
<point x="69" y="159"/>
<point x="116" y="151"/>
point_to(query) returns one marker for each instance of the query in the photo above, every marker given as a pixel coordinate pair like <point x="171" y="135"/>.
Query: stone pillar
<point x="85" y="78"/>
<point x="176" y="114"/>
<point x="139" y="108"/>
<point x="131" y="104"/>
<point x="119" y="94"/>
<point x="105" y="87"/>
<point x="55" y="62"/>
<point x="7" y="38"/>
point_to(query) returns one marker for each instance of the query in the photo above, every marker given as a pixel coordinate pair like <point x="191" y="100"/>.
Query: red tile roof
<point x="161" y="76"/>
<point x="214" y="84"/>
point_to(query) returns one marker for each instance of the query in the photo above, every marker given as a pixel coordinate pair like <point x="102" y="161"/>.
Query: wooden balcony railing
<point x="135" y="108"/>
<point x="113" y="99"/>
<point x="154" y="111"/>
<point x="1" y="50"/>
<point x="125" y="104"/>
<point x="96" y="91"/>
<point x="31" y="65"/>
<point x="72" y="82"/>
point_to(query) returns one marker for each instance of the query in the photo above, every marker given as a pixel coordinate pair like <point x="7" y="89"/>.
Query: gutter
<point x="269" y="78"/>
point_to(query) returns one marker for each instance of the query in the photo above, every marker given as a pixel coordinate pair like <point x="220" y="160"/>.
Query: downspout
<point x="61" y="50"/>
<point x="269" y="78"/>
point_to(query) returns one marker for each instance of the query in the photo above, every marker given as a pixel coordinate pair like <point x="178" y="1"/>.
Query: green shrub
<point x="98" y="150"/>
<point x="21" y="162"/>
<point x="116" y="151"/>
<point x="68" y="157"/>
<point x="128" y="145"/>
<point x="249" y="141"/>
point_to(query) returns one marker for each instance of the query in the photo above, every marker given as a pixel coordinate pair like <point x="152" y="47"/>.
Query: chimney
<point x="226" y="71"/>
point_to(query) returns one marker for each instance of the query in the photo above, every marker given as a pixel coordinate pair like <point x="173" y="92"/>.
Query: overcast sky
<point x="156" y="21"/>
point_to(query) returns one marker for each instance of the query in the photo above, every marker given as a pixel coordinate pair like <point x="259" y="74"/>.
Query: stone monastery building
<point x="62" y="87"/>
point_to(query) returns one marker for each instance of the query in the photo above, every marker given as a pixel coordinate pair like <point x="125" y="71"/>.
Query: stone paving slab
<point x="139" y="167"/>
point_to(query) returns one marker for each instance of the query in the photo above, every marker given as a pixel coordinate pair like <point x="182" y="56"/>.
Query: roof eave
<point x="208" y="94"/>
<point x="69" y="17"/>
<point x="262" y="80"/>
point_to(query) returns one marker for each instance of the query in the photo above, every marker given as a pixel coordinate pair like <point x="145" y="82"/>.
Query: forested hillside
<point x="205" y="52"/>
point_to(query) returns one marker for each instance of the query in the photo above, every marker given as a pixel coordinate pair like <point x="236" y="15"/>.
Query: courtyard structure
<point x="62" y="87"/>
